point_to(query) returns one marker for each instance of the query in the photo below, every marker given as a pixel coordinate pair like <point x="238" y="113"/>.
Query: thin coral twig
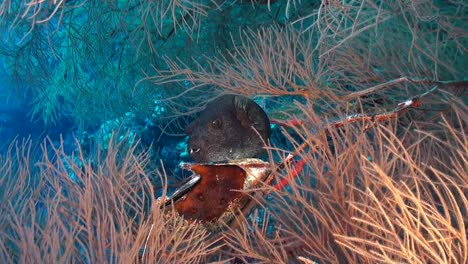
<point x="402" y="80"/>
<point x="400" y="109"/>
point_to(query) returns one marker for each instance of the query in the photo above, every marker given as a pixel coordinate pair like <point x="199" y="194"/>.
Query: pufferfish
<point x="231" y="127"/>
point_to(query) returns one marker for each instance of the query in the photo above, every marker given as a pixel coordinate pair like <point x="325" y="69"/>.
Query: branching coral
<point x="81" y="60"/>
<point x="347" y="47"/>
<point x="368" y="42"/>
<point x="393" y="193"/>
<point x="69" y="208"/>
<point x="387" y="195"/>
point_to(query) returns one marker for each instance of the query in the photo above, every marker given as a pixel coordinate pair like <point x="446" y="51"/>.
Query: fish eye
<point x="216" y="123"/>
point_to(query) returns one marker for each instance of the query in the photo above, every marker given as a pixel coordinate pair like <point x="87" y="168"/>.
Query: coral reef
<point x="378" y="187"/>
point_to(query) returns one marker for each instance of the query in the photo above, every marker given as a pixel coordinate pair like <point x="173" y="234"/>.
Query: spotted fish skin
<point x="230" y="127"/>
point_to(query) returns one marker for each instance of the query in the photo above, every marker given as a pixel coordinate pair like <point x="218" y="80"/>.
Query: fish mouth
<point x="194" y="150"/>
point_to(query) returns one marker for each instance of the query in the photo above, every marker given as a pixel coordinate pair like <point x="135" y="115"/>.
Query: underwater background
<point x="368" y="96"/>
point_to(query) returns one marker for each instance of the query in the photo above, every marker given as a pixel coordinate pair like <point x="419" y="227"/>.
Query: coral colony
<point x="233" y="131"/>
